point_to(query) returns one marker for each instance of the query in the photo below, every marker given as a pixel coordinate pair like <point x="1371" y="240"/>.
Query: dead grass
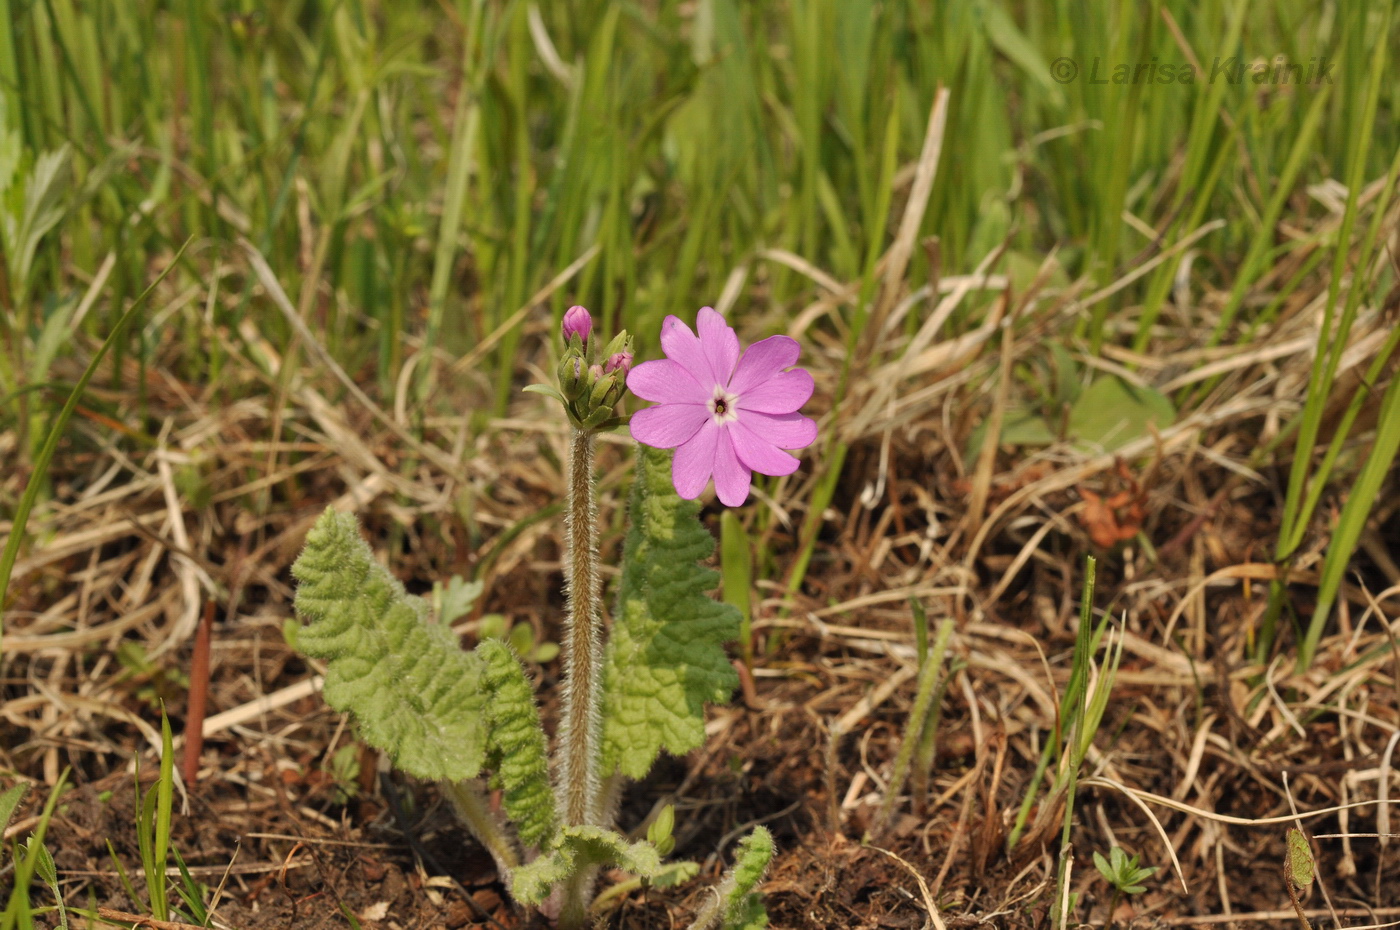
<point x="1196" y="760"/>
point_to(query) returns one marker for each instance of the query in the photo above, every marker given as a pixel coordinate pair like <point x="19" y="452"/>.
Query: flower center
<point x="724" y="406"/>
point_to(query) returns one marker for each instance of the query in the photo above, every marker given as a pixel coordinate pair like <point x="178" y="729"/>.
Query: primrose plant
<point x="470" y="720"/>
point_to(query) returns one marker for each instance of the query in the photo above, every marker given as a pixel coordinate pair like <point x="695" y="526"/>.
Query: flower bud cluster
<point x="592" y="380"/>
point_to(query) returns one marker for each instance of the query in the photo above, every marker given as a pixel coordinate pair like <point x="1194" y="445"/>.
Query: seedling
<point x="445" y="714"/>
<point x="1124" y="875"/>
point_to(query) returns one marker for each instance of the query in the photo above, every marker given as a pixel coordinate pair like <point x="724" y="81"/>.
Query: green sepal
<point x="665" y="658"/>
<point x="579" y="848"/>
<point x="415" y="693"/>
<point x="595" y="420"/>
<point x="516" y="745"/>
<point x="618" y="343"/>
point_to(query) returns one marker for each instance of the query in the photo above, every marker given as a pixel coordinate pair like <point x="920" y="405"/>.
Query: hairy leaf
<point x="530" y="883"/>
<point x="743" y="908"/>
<point x="516" y="745"/>
<point x="665" y="657"/>
<point x="8" y="802"/>
<point x="579" y="848"/>
<point x="415" y="693"/>
<point x="48" y="873"/>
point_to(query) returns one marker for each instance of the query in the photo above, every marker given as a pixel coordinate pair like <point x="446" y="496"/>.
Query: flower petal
<point x="690" y="469"/>
<point x="758" y="453"/>
<point x="668" y="425"/>
<point x="683" y="347"/>
<point x="719" y="342"/>
<point x="665" y="382"/>
<point x="784" y="392"/>
<point x="786" y="431"/>
<point x="763" y="360"/>
<point x="731" y="477"/>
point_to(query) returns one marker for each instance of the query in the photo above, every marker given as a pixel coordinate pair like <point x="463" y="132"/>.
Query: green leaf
<point x="737" y="570"/>
<point x="415" y="693"/>
<point x="665" y="658"/>
<point x="531" y="883"/>
<point x="743" y="908"/>
<point x="455" y="599"/>
<point x="164" y="792"/>
<point x="750" y="914"/>
<point x="675" y="873"/>
<point x="1008" y="39"/>
<point x="547" y="391"/>
<point x="516" y="744"/>
<point x="1300" y="859"/>
<point x="44" y="868"/>
<point x="1019" y="427"/>
<point x="1111" y="413"/>
<point x="580" y="848"/>
<point x="44" y="193"/>
<point x="9" y="801"/>
<point x="54" y="336"/>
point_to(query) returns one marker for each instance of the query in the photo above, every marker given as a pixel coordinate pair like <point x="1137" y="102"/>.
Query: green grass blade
<point x="1353" y="519"/>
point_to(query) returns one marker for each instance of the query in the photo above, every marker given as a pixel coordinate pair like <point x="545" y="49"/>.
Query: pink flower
<point x="577" y="321"/>
<point x="724" y="415"/>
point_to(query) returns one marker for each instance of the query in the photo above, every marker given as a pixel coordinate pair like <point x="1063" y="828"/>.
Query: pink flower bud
<point x="596" y="371"/>
<point x="622" y="361"/>
<point x="577" y="321"/>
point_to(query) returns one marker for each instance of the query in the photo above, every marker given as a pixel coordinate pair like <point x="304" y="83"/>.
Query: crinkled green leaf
<point x="531" y="883"/>
<point x="580" y="848"/>
<point x="516" y="744"/>
<point x="743" y="907"/>
<point x="665" y="657"/>
<point x="415" y="693"/>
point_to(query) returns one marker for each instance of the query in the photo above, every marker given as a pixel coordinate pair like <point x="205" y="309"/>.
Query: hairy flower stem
<point x="580" y="728"/>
